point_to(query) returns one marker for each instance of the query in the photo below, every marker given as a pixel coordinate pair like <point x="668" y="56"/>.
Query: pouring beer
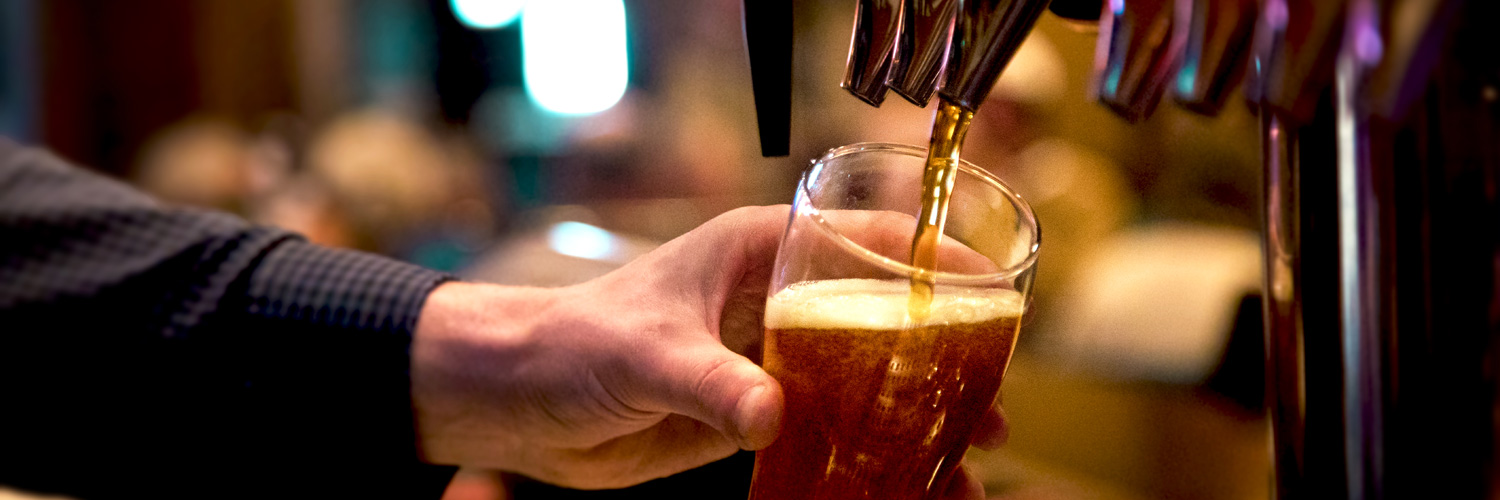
<point x="889" y="355"/>
<point x="881" y="402"/>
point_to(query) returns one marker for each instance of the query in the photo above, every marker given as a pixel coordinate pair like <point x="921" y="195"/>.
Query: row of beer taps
<point x="1380" y="148"/>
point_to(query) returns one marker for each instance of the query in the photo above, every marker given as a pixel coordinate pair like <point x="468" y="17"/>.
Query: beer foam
<point x="882" y="304"/>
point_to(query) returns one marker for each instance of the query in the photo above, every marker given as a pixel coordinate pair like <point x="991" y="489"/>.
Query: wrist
<point x="465" y="333"/>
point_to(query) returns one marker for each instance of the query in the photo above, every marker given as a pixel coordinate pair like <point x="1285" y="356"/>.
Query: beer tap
<point x="1216" y="35"/>
<point x="921" y="50"/>
<point x="876" y="25"/>
<point x="1138" y="51"/>
<point x="1379" y="122"/>
<point x="906" y="45"/>
<point x="1378" y="138"/>
<point x="986" y="34"/>
<point x="1288" y="86"/>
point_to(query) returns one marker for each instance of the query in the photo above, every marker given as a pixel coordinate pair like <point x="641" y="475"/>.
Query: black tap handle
<point x="768" y="36"/>
<point x="1077" y="10"/>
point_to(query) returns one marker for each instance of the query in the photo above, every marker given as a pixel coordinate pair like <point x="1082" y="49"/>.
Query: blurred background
<point x="548" y="143"/>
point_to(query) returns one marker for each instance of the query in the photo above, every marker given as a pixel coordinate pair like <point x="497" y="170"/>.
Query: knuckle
<point x="709" y="386"/>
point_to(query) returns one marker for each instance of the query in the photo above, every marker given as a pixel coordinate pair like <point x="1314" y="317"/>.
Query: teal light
<point x="1112" y="80"/>
<point x="1187" y="78"/>
<point x="574" y="54"/>
<point x="487" y="14"/>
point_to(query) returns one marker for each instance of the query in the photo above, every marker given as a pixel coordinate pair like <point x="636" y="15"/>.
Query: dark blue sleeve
<point x="156" y="352"/>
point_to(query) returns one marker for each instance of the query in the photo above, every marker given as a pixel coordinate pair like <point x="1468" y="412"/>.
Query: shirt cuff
<point x="334" y="331"/>
<point x="341" y="289"/>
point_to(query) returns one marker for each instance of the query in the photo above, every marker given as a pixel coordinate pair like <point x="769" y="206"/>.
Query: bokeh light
<point x="487" y="14"/>
<point x="574" y="54"/>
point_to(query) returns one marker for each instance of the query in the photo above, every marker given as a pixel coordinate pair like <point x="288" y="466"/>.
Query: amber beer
<point x="879" y="405"/>
<point x="949" y="127"/>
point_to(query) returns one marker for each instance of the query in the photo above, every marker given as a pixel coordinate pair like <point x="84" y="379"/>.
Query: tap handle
<point x="985" y="36"/>
<point x="768" y="37"/>
<point x="921" y="48"/>
<point x="871" y="49"/>
<point x="1077" y="10"/>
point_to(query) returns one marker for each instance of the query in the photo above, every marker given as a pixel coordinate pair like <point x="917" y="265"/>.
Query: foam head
<point x="882" y="305"/>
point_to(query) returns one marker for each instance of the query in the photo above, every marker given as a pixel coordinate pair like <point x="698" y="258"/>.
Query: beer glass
<point x="879" y="404"/>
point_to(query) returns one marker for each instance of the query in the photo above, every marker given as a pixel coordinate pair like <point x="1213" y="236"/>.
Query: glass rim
<point x="1023" y="209"/>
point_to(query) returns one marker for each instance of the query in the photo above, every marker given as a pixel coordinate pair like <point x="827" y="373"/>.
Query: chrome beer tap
<point x="906" y="45"/>
<point x="1380" y="141"/>
<point x="1379" y="135"/>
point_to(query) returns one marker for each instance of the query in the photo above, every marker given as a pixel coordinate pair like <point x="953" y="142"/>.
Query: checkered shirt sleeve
<point x="158" y="351"/>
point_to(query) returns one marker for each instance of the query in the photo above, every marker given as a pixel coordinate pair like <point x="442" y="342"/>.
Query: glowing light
<point x="1112" y="80"/>
<point x="487" y="14"/>
<point x="574" y="54"/>
<point x="1187" y="77"/>
<point x="581" y="240"/>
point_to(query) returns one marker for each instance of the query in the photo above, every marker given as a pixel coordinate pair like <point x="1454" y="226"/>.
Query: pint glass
<point x="879" y="404"/>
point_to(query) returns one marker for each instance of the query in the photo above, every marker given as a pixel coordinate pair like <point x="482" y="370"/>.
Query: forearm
<point x="144" y="347"/>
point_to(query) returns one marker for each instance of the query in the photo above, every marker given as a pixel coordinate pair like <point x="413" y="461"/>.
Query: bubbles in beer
<point x="886" y="404"/>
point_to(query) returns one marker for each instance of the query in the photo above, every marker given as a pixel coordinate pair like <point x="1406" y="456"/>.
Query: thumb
<point x="713" y="385"/>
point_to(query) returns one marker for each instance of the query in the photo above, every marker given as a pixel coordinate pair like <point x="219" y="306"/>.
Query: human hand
<point x="612" y="382"/>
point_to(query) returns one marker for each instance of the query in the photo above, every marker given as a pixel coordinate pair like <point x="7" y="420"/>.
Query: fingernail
<point x="750" y="415"/>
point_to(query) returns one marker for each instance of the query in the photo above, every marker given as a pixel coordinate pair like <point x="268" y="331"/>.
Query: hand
<point x="613" y="382"/>
<point x="964" y="486"/>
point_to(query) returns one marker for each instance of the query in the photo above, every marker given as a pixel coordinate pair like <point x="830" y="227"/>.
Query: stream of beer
<point x="948" y="130"/>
